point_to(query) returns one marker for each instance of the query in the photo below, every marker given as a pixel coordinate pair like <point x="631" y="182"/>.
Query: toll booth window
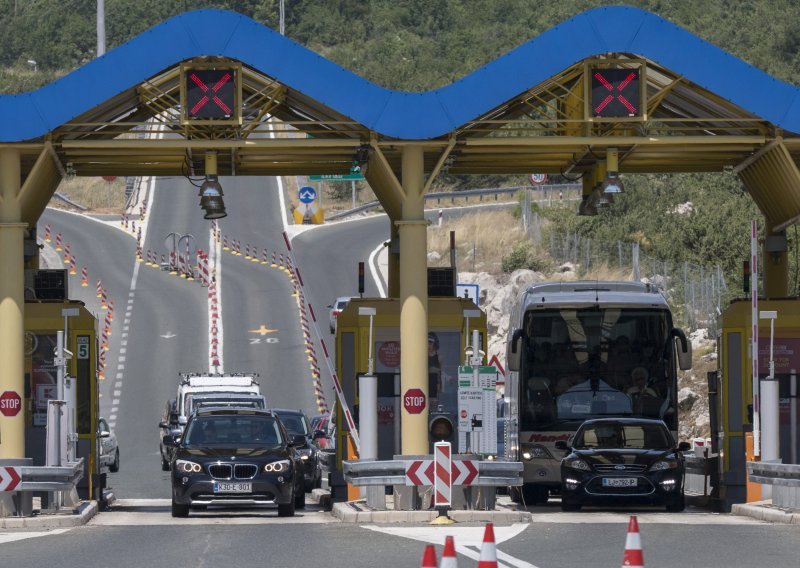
<point x="41" y="374"/>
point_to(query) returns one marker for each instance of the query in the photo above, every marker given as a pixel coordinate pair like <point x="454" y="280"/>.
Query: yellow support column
<point x="414" y="302"/>
<point x="776" y="266"/>
<point x="12" y="302"/>
<point x="393" y="284"/>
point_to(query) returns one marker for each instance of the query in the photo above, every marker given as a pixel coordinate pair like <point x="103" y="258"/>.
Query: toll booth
<point x="731" y="392"/>
<point x="448" y="330"/>
<point x="43" y="319"/>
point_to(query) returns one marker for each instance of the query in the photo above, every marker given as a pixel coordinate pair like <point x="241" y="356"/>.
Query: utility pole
<point x="282" y="18"/>
<point x="101" y="27"/>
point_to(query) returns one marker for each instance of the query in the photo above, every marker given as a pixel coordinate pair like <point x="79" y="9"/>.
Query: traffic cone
<point x="488" y="557"/>
<point x="429" y="557"/>
<point x="633" y="546"/>
<point x="449" y="555"/>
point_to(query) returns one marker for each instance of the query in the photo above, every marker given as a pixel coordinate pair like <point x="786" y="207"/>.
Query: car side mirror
<point x="105" y="433"/>
<point x="170" y="440"/>
<point x="320" y="434"/>
<point x="163" y="425"/>
<point x="562" y="445"/>
<point x="182" y="420"/>
<point x="297" y="440"/>
<point x="684" y="447"/>
<point x="330" y="306"/>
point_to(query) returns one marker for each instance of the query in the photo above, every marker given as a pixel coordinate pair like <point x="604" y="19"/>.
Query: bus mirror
<point x="514" y="351"/>
<point x="684" y="349"/>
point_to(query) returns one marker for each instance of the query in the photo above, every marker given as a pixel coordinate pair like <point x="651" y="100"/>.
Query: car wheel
<point x="114" y="467"/>
<point x="569" y="506"/>
<point x="535" y="495"/>
<point x="299" y="500"/>
<point x="287" y="510"/>
<point x="676" y="505"/>
<point x="333" y="330"/>
<point x="318" y="481"/>
<point x="164" y="464"/>
<point x="308" y="487"/>
<point x="179" y="510"/>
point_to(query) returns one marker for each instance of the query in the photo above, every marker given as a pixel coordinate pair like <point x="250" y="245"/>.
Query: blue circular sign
<point x="307" y="194"/>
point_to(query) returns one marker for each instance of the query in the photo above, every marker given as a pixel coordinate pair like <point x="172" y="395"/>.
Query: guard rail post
<point x="783" y="478"/>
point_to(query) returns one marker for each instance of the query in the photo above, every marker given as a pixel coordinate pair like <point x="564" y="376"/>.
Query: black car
<point x="168" y="426"/>
<point x="296" y="423"/>
<point x="622" y="460"/>
<point x="235" y="456"/>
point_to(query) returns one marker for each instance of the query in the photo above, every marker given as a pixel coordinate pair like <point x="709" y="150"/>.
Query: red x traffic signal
<point x="615" y="93"/>
<point x="210" y="93"/>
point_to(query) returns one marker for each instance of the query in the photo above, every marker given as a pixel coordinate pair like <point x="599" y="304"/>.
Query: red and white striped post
<point x="47" y="233"/>
<point x="99" y="288"/>
<point x="66" y="253"/>
<point x="58" y="242"/>
<point x="443" y="477"/>
<point x="72" y="268"/>
<point x="85" y="277"/>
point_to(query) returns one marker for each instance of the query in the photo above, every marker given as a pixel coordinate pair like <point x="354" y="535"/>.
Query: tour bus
<point x="581" y="350"/>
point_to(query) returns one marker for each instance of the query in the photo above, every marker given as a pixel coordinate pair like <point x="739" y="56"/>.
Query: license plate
<point x="220" y="487"/>
<point x="619" y="482"/>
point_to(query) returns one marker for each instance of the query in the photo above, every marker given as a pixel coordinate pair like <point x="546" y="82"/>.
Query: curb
<point x="354" y="512"/>
<point x="84" y="513"/>
<point x="763" y="511"/>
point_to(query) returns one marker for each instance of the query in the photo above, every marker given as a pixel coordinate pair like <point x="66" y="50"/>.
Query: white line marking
<point x="124" y="336"/>
<point x="121" y="359"/>
<point x="130" y="295"/>
<point x="120" y="367"/>
<point x="126" y="328"/>
<point x="123" y="350"/>
<point x="376" y="271"/>
<point x="15" y="536"/>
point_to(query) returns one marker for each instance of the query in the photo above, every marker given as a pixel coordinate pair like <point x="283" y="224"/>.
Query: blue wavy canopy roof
<point x="392" y="113"/>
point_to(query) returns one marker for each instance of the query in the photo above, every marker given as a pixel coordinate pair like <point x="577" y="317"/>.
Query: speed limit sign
<point x="83" y="346"/>
<point x="538" y="179"/>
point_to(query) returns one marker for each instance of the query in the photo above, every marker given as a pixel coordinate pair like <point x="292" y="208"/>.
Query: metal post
<point x="770" y="407"/>
<point x="353" y="191"/>
<point x="101" y="27"/>
<point x="754" y="337"/>
<point x="793" y="414"/>
<point x="60" y="363"/>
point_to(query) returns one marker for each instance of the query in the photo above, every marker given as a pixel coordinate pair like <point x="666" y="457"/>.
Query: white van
<point x="193" y="385"/>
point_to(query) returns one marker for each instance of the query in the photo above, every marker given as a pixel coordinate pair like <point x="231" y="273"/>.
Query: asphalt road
<point x="142" y="533"/>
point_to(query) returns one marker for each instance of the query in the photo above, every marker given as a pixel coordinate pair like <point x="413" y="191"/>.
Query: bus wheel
<point x="535" y="495"/>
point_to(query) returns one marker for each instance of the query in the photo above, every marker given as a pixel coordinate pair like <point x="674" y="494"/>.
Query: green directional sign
<point x="337" y="177"/>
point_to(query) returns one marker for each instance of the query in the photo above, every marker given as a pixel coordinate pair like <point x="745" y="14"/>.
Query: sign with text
<point x="414" y="401"/>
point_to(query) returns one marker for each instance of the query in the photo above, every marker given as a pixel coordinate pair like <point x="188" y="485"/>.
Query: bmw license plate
<point x="619" y="482"/>
<point x="220" y="487"/>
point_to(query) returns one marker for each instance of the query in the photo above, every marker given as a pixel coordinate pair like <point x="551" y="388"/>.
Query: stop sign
<point x="414" y="401"/>
<point x="10" y="403"/>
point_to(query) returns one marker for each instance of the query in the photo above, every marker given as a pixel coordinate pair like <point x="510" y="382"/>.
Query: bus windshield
<point x="596" y="362"/>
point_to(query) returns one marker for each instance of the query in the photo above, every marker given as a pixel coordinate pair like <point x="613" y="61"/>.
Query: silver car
<point x="336" y="308"/>
<point x="109" y="450"/>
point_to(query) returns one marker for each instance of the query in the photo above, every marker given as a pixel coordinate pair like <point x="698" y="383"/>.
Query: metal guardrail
<point x="393" y="472"/>
<point x="452" y="195"/>
<point x="784" y="479"/>
<point x="68" y="201"/>
<point x="48" y="478"/>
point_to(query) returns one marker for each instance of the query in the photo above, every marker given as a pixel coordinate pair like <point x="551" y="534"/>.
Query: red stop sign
<point x="414" y="401"/>
<point x="10" y="403"/>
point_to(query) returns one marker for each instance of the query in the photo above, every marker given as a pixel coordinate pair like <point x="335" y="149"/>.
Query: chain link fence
<point x="696" y="293"/>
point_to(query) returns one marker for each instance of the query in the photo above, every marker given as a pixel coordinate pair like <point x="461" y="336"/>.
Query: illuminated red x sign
<point x="615" y="92"/>
<point x="209" y="93"/>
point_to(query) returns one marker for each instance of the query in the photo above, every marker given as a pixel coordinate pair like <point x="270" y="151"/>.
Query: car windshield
<point x="294" y="424"/>
<point x="240" y="430"/>
<point x="614" y="435"/>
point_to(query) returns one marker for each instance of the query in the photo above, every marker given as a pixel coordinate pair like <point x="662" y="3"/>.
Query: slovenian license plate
<point x="221" y="487"/>
<point x="619" y="482"/>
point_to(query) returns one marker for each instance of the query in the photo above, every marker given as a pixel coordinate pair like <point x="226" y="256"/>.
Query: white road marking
<point x="215" y="268"/>
<point x="466" y="538"/>
<point x="375" y="271"/>
<point x="16" y="536"/>
<point x="112" y="420"/>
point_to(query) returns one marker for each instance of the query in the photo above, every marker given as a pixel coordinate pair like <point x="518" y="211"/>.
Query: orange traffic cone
<point x="429" y="557"/>
<point x="449" y="555"/>
<point x="633" y="546"/>
<point x="488" y="557"/>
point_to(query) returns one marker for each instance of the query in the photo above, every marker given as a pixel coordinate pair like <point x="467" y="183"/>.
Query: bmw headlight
<point x="277" y="466"/>
<point x="578" y="463"/>
<point x="185" y="466"/>
<point x="663" y="465"/>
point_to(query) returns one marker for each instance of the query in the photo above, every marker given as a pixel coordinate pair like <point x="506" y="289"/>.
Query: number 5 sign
<point x="83" y="347"/>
